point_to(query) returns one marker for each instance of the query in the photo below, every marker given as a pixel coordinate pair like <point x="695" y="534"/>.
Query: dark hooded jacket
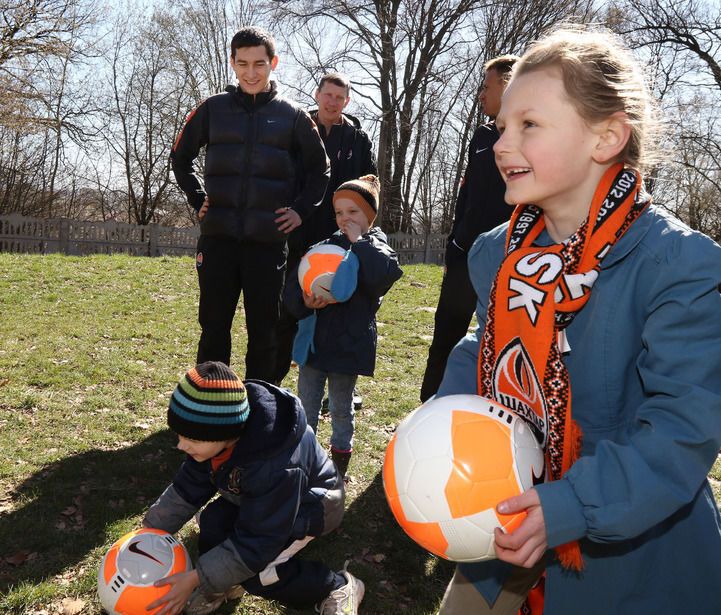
<point x="350" y="152"/>
<point x="480" y="205"/>
<point x="345" y="333"/>
<point x="279" y="477"/>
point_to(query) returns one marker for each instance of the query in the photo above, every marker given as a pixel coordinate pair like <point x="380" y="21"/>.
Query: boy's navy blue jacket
<point x="345" y="333"/>
<point x="279" y="477"/>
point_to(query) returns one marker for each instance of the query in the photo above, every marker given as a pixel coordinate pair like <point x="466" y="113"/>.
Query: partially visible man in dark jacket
<point x="265" y="172"/>
<point x="351" y="155"/>
<point x="479" y="208"/>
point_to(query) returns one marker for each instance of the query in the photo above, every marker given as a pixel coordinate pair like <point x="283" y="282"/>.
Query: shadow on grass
<point x="70" y="507"/>
<point x="399" y="576"/>
<point x="81" y="503"/>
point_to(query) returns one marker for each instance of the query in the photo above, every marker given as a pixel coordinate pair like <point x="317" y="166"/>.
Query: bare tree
<point x="39" y="41"/>
<point x="411" y="58"/>
<point x="32" y="31"/>
<point x="692" y="26"/>
<point x="681" y="43"/>
<point x="143" y="115"/>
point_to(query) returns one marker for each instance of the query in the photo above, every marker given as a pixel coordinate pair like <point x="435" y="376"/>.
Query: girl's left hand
<point x="528" y="542"/>
<point x="181" y="588"/>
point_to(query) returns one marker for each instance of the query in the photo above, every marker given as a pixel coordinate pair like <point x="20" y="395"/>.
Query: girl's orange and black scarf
<point x="535" y="296"/>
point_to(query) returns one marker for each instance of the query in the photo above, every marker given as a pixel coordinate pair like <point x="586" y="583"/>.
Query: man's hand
<point x="181" y="588"/>
<point x="203" y="209"/>
<point x="314" y="302"/>
<point x="528" y="542"/>
<point x="287" y="220"/>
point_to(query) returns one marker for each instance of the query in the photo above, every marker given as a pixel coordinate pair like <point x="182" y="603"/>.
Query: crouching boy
<point x="278" y="490"/>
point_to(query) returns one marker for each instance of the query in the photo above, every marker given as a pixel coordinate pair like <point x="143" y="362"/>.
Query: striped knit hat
<point x="209" y="404"/>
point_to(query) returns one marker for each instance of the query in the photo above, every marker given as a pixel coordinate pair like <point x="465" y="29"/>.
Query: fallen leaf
<point x="72" y="606"/>
<point x="18" y="558"/>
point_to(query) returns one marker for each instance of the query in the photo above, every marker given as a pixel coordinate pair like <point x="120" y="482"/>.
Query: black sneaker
<point x="357" y="400"/>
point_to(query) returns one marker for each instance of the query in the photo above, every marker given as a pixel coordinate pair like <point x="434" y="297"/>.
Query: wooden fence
<point x="44" y="236"/>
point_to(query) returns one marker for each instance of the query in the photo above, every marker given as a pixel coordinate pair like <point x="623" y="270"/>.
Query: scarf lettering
<point x="536" y="294"/>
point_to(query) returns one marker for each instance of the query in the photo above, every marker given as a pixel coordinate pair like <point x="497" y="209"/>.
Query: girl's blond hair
<point x="601" y="77"/>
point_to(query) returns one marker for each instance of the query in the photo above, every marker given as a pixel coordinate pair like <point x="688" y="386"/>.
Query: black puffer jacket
<point x="263" y="152"/>
<point x="351" y="155"/>
<point x="345" y="333"/>
<point x="480" y="206"/>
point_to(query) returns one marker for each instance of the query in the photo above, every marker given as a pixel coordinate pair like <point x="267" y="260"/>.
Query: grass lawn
<point x="90" y="350"/>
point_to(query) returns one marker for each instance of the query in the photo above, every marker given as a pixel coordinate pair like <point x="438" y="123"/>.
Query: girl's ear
<point x="613" y="134"/>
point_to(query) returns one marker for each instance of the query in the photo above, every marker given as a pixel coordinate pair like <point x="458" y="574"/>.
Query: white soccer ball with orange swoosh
<point x="133" y="564"/>
<point x="447" y="466"/>
<point x="317" y="269"/>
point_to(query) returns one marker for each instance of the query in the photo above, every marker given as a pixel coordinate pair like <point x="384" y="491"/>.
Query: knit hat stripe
<point x="209" y="404"/>
<point x="235" y="395"/>
<point x="211" y="408"/>
<point x="206" y="418"/>
<point x="209" y="383"/>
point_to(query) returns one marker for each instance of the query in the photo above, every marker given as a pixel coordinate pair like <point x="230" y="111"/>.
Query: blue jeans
<point x="311" y="386"/>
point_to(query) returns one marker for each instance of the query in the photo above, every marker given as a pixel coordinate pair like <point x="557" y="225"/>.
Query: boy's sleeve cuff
<point x="562" y="512"/>
<point x="170" y="512"/>
<point x="221" y="568"/>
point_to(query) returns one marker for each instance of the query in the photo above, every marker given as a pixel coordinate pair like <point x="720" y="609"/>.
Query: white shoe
<point x="200" y="604"/>
<point x="346" y="599"/>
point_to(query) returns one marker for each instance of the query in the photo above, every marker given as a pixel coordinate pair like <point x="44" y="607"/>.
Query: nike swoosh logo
<point x="134" y="548"/>
<point x="270" y="121"/>
<point x="279" y="267"/>
<point x="540" y="478"/>
<point x="483" y="149"/>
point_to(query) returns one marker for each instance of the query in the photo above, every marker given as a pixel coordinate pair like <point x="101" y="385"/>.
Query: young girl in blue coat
<point x="598" y="323"/>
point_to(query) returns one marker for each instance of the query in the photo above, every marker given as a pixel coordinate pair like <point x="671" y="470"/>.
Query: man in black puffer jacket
<point x="265" y="171"/>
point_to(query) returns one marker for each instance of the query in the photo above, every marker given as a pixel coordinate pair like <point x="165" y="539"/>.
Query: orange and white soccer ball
<point x="447" y="466"/>
<point x="133" y="564"/>
<point x="317" y="269"/>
